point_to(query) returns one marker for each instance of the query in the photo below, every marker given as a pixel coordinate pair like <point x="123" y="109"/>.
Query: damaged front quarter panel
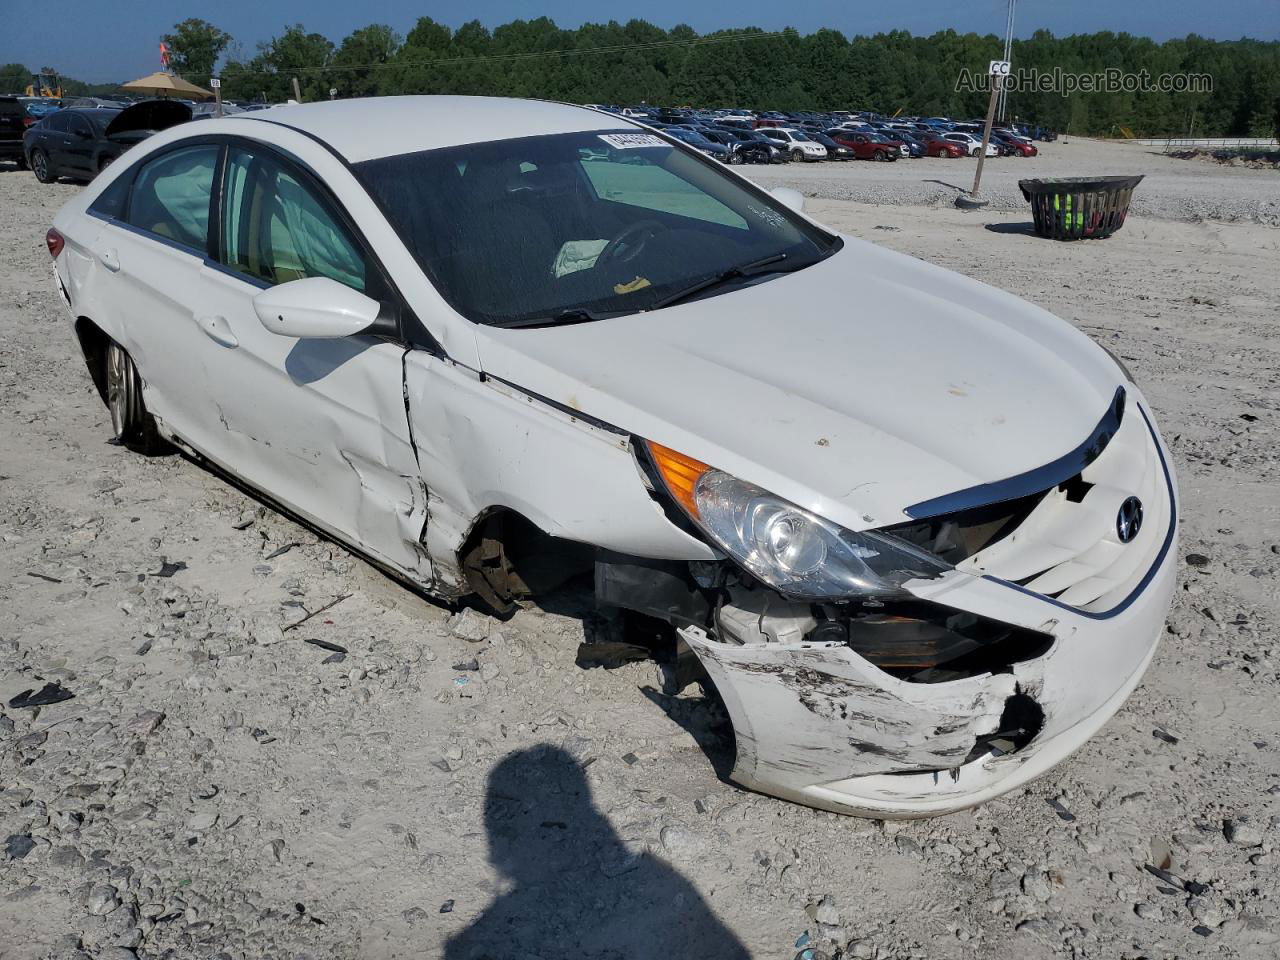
<point x="808" y="714"/>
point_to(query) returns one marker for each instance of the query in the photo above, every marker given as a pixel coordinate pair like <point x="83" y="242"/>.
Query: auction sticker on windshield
<point x="629" y="141"/>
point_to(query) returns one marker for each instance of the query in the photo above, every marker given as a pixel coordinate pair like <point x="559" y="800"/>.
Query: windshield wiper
<point x="726" y="276"/>
<point x="567" y="316"/>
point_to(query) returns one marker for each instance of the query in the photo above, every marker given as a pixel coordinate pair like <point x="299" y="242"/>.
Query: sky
<point x="109" y="40"/>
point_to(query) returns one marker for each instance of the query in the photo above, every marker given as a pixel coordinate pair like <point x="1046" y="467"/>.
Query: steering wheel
<point x="630" y="243"/>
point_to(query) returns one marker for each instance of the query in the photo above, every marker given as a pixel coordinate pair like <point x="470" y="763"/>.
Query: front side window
<point x="275" y="228"/>
<point x="171" y="194"/>
<point x="528" y="230"/>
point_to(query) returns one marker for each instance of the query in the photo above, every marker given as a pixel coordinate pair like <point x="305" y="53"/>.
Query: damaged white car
<point x="923" y="550"/>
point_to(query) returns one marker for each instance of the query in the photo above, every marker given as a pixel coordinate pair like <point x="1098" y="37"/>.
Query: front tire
<point x="40" y="166"/>
<point x="131" y="425"/>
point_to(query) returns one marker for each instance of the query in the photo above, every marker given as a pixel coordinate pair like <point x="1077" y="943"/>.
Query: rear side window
<point x="276" y="228"/>
<point x="171" y="193"/>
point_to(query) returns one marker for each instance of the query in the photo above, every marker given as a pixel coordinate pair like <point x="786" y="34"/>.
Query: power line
<point x="530" y="55"/>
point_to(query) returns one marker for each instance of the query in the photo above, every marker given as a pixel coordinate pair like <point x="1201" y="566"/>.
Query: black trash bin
<point x="1068" y="208"/>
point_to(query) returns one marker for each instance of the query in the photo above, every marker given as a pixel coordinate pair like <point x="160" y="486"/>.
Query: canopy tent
<point x="161" y="84"/>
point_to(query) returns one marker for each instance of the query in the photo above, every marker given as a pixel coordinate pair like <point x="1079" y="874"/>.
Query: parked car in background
<point x="913" y="143"/>
<point x="14" y="121"/>
<point x="38" y="107"/>
<point x="796" y="143"/>
<point x="755" y="147"/>
<point x="1015" y="145"/>
<point x="835" y="151"/>
<point x="81" y="143"/>
<point x="696" y="140"/>
<point x="972" y="145"/>
<point x="95" y="103"/>
<point x="937" y="145"/>
<point x="865" y="145"/>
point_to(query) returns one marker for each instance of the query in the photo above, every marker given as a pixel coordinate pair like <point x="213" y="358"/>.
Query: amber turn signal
<point x="679" y="473"/>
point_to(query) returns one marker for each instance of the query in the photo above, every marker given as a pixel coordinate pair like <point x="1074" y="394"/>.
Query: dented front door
<point x="319" y="424"/>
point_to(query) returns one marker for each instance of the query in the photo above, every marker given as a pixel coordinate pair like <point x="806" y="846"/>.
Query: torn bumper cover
<point x="818" y="724"/>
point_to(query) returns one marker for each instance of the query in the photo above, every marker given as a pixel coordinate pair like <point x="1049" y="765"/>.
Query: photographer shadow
<point x="576" y="890"/>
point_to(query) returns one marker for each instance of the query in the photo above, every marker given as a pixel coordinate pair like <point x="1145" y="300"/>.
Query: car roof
<point x="368" y="128"/>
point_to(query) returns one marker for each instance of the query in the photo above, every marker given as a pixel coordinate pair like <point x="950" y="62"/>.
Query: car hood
<point x="924" y="382"/>
<point x="150" y="116"/>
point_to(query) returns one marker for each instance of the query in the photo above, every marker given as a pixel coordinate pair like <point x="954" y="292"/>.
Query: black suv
<point x="13" y="116"/>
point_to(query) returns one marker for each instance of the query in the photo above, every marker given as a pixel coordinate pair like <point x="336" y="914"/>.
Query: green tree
<point x="360" y="60"/>
<point x="194" y="48"/>
<point x="14" y="78"/>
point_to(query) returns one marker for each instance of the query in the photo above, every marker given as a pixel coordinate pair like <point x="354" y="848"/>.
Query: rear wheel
<point x="40" y="166"/>
<point x="131" y="425"/>
<point x="21" y="161"/>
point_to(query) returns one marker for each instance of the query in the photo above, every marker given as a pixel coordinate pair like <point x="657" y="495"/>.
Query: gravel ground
<point x="1173" y="188"/>
<point x="219" y="786"/>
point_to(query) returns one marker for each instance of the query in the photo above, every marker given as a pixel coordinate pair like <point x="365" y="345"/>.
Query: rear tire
<point x="131" y="425"/>
<point x="40" y="166"/>
<point x="21" y="161"/>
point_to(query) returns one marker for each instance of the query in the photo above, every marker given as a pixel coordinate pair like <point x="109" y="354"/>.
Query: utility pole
<point x="297" y="92"/>
<point x="996" y="90"/>
<point x="216" y="83"/>
<point x="1008" y="52"/>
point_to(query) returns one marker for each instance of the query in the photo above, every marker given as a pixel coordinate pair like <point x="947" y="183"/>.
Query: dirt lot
<point x="1173" y="188"/>
<point x="220" y="787"/>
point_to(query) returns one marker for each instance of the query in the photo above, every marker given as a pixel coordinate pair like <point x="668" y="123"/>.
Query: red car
<point x="1018" y="146"/>
<point x="938" y="147"/>
<point x="863" y="147"/>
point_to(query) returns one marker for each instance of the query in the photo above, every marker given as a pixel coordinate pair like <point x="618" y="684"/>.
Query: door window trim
<point x="413" y="333"/>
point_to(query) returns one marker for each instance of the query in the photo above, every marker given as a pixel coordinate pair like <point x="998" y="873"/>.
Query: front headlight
<point x="792" y="550"/>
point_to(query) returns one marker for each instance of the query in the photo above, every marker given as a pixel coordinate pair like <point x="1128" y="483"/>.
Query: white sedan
<point x="971" y="144"/>
<point x="799" y="146"/>
<point x="923" y="547"/>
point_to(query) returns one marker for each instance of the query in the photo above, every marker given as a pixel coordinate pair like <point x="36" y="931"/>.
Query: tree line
<point x="638" y="62"/>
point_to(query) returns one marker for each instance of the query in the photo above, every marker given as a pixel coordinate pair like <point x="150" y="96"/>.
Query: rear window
<point x="171" y="193"/>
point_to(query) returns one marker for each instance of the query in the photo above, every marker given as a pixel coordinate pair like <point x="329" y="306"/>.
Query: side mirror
<point x="789" y="198"/>
<point x="317" y="307"/>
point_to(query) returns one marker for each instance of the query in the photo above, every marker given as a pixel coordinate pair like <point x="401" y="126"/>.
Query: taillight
<point x="28" y="121"/>
<point x="54" y="241"/>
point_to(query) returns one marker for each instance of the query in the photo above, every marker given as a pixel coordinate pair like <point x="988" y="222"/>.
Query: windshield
<point x="99" y="119"/>
<point x="611" y="222"/>
<point x="797" y="135"/>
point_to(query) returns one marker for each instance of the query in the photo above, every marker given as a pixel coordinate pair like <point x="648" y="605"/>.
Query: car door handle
<point x="218" y="330"/>
<point x="110" y="259"/>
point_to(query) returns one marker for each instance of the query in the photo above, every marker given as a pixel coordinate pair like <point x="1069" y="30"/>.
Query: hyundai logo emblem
<point x="1129" y="519"/>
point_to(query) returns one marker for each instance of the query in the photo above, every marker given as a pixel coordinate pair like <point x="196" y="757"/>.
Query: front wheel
<point x="40" y="166"/>
<point x="131" y="425"/>
<point x="797" y="155"/>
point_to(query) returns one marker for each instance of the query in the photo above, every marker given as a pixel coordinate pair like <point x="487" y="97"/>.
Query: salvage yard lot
<point x="291" y="801"/>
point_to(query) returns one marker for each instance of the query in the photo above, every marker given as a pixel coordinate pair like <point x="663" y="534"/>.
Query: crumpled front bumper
<point x="818" y="724"/>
